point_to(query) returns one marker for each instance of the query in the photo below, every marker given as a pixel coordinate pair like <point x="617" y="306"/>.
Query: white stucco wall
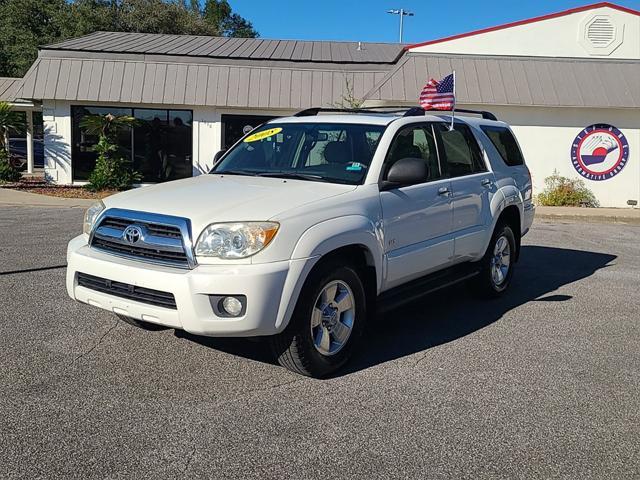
<point x="57" y="141"/>
<point x="547" y="134"/>
<point x="556" y="37"/>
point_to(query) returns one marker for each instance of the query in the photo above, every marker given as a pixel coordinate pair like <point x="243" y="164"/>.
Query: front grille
<point x="141" y="252"/>
<point x="160" y="242"/>
<point x="167" y="231"/>
<point x="125" y="290"/>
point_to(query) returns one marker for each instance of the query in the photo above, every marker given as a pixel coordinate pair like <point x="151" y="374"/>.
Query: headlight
<point x="235" y="240"/>
<point x="90" y="216"/>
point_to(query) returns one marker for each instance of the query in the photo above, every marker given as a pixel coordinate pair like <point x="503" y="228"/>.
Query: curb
<point x="602" y="219"/>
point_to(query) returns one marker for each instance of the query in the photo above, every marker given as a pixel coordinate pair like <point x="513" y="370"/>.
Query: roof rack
<point x="485" y="115"/>
<point x="311" y="112"/>
<point x="407" y="111"/>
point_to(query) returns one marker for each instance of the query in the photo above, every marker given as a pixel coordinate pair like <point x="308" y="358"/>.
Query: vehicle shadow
<point x="450" y="313"/>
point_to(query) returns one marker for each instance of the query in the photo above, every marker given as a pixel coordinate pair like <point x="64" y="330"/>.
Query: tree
<point x="219" y="15"/>
<point x="26" y="24"/>
<point x="112" y="171"/>
<point x="348" y="100"/>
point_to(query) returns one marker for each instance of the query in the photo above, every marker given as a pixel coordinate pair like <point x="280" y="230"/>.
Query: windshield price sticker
<point x="262" y="135"/>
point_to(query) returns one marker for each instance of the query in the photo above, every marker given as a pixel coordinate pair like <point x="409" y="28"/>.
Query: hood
<point x="225" y="198"/>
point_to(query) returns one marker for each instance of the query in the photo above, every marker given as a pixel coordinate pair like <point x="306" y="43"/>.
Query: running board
<point x="424" y="285"/>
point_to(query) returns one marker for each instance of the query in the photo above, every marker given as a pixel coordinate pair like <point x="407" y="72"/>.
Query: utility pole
<point x="403" y="13"/>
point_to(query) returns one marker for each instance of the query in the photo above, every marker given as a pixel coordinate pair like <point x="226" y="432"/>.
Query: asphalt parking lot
<point x="543" y="383"/>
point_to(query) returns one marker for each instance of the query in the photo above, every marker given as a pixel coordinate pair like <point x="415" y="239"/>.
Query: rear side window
<point x="460" y="150"/>
<point x="505" y="143"/>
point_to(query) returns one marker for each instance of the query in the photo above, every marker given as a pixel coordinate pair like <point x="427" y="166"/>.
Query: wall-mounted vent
<point x="601" y="32"/>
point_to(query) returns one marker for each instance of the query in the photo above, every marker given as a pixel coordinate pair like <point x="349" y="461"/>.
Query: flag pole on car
<point x="440" y="95"/>
<point x="453" y="108"/>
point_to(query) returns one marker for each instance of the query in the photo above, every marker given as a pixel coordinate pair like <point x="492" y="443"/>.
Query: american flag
<point x="438" y="95"/>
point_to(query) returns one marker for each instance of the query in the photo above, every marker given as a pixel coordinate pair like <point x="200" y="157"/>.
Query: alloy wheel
<point x="332" y="317"/>
<point x="500" y="261"/>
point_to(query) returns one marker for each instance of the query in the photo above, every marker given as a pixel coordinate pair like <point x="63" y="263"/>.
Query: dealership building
<point x="568" y="83"/>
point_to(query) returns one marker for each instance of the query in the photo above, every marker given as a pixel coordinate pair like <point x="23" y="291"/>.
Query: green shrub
<point x="112" y="172"/>
<point x="7" y="172"/>
<point x="565" y="192"/>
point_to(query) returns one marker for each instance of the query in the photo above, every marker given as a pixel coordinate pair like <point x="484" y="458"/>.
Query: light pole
<point x="403" y="13"/>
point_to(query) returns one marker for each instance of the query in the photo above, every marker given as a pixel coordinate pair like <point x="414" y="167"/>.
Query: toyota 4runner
<point x="308" y="224"/>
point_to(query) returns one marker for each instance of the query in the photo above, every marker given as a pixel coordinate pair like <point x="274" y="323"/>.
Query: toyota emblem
<point x="132" y="234"/>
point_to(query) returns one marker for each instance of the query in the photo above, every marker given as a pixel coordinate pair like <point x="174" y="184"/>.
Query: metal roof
<point x="139" y="81"/>
<point x="239" y="48"/>
<point x="9" y="88"/>
<point x="277" y="83"/>
<point x="527" y="81"/>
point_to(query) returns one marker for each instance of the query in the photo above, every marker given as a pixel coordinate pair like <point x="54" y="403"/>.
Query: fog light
<point x="232" y="306"/>
<point x="227" y="306"/>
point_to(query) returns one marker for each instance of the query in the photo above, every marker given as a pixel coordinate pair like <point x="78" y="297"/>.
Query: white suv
<point x="308" y="224"/>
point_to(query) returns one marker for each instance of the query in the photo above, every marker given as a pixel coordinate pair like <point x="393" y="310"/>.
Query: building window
<point x="234" y="127"/>
<point x="160" y="146"/>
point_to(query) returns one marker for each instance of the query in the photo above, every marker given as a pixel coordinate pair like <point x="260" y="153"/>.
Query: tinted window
<point x="414" y="141"/>
<point x="505" y="143"/>
<point x="331" y="152"/>
<point x="83" y="143"/>
<point x="460" y="152"/>
<point x="234" y="127"/>
<point x="160" y="146"/>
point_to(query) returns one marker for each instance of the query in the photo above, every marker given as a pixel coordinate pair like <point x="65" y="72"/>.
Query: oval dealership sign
<point x="599" y="152"/>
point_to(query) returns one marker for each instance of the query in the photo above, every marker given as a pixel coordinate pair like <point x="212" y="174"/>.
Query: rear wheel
<point x="141" y="324"/>
<point x="497" y="264"/>
<point x="327" y="322"/>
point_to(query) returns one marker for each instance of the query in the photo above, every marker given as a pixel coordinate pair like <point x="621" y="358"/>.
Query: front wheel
<point x="327" y="322"/>
<point x="497" y="264"/>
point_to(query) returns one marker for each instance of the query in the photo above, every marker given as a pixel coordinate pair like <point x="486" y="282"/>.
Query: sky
<point x="367" y="20"/>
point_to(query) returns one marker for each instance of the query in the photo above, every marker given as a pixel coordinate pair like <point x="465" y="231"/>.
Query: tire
<point x="317" y="345"/>
<point x="497" y="264"/>
<point x="152" y="327"/>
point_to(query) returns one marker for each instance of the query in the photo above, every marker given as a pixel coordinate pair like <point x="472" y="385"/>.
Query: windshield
<point x="326" y="152"/>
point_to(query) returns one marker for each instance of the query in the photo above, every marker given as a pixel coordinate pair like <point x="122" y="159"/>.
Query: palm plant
<point x="9" y="120"/>
<point x="107" y="125"/>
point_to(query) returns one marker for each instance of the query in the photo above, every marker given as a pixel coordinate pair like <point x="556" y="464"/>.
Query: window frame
<point x="424" y="125"/>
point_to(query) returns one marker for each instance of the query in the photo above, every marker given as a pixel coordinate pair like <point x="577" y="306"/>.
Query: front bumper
<point x="271" y="290"/>
<point x="528" y="216"/>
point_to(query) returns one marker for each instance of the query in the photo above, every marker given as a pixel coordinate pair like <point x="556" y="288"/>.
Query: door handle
<point x="486" y="182"/>
<point x="444" y="191"/>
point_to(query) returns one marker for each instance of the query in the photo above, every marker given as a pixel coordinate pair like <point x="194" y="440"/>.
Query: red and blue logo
<point x="599" y="152"/>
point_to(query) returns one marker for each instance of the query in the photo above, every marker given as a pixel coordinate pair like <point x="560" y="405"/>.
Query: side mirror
<point x="406" y="171"/>
<point x="217" y="156"/>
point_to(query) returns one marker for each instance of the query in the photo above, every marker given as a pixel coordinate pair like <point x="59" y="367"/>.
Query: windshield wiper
<point x="247" y="173"/>
<point x="294" y="175"/>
